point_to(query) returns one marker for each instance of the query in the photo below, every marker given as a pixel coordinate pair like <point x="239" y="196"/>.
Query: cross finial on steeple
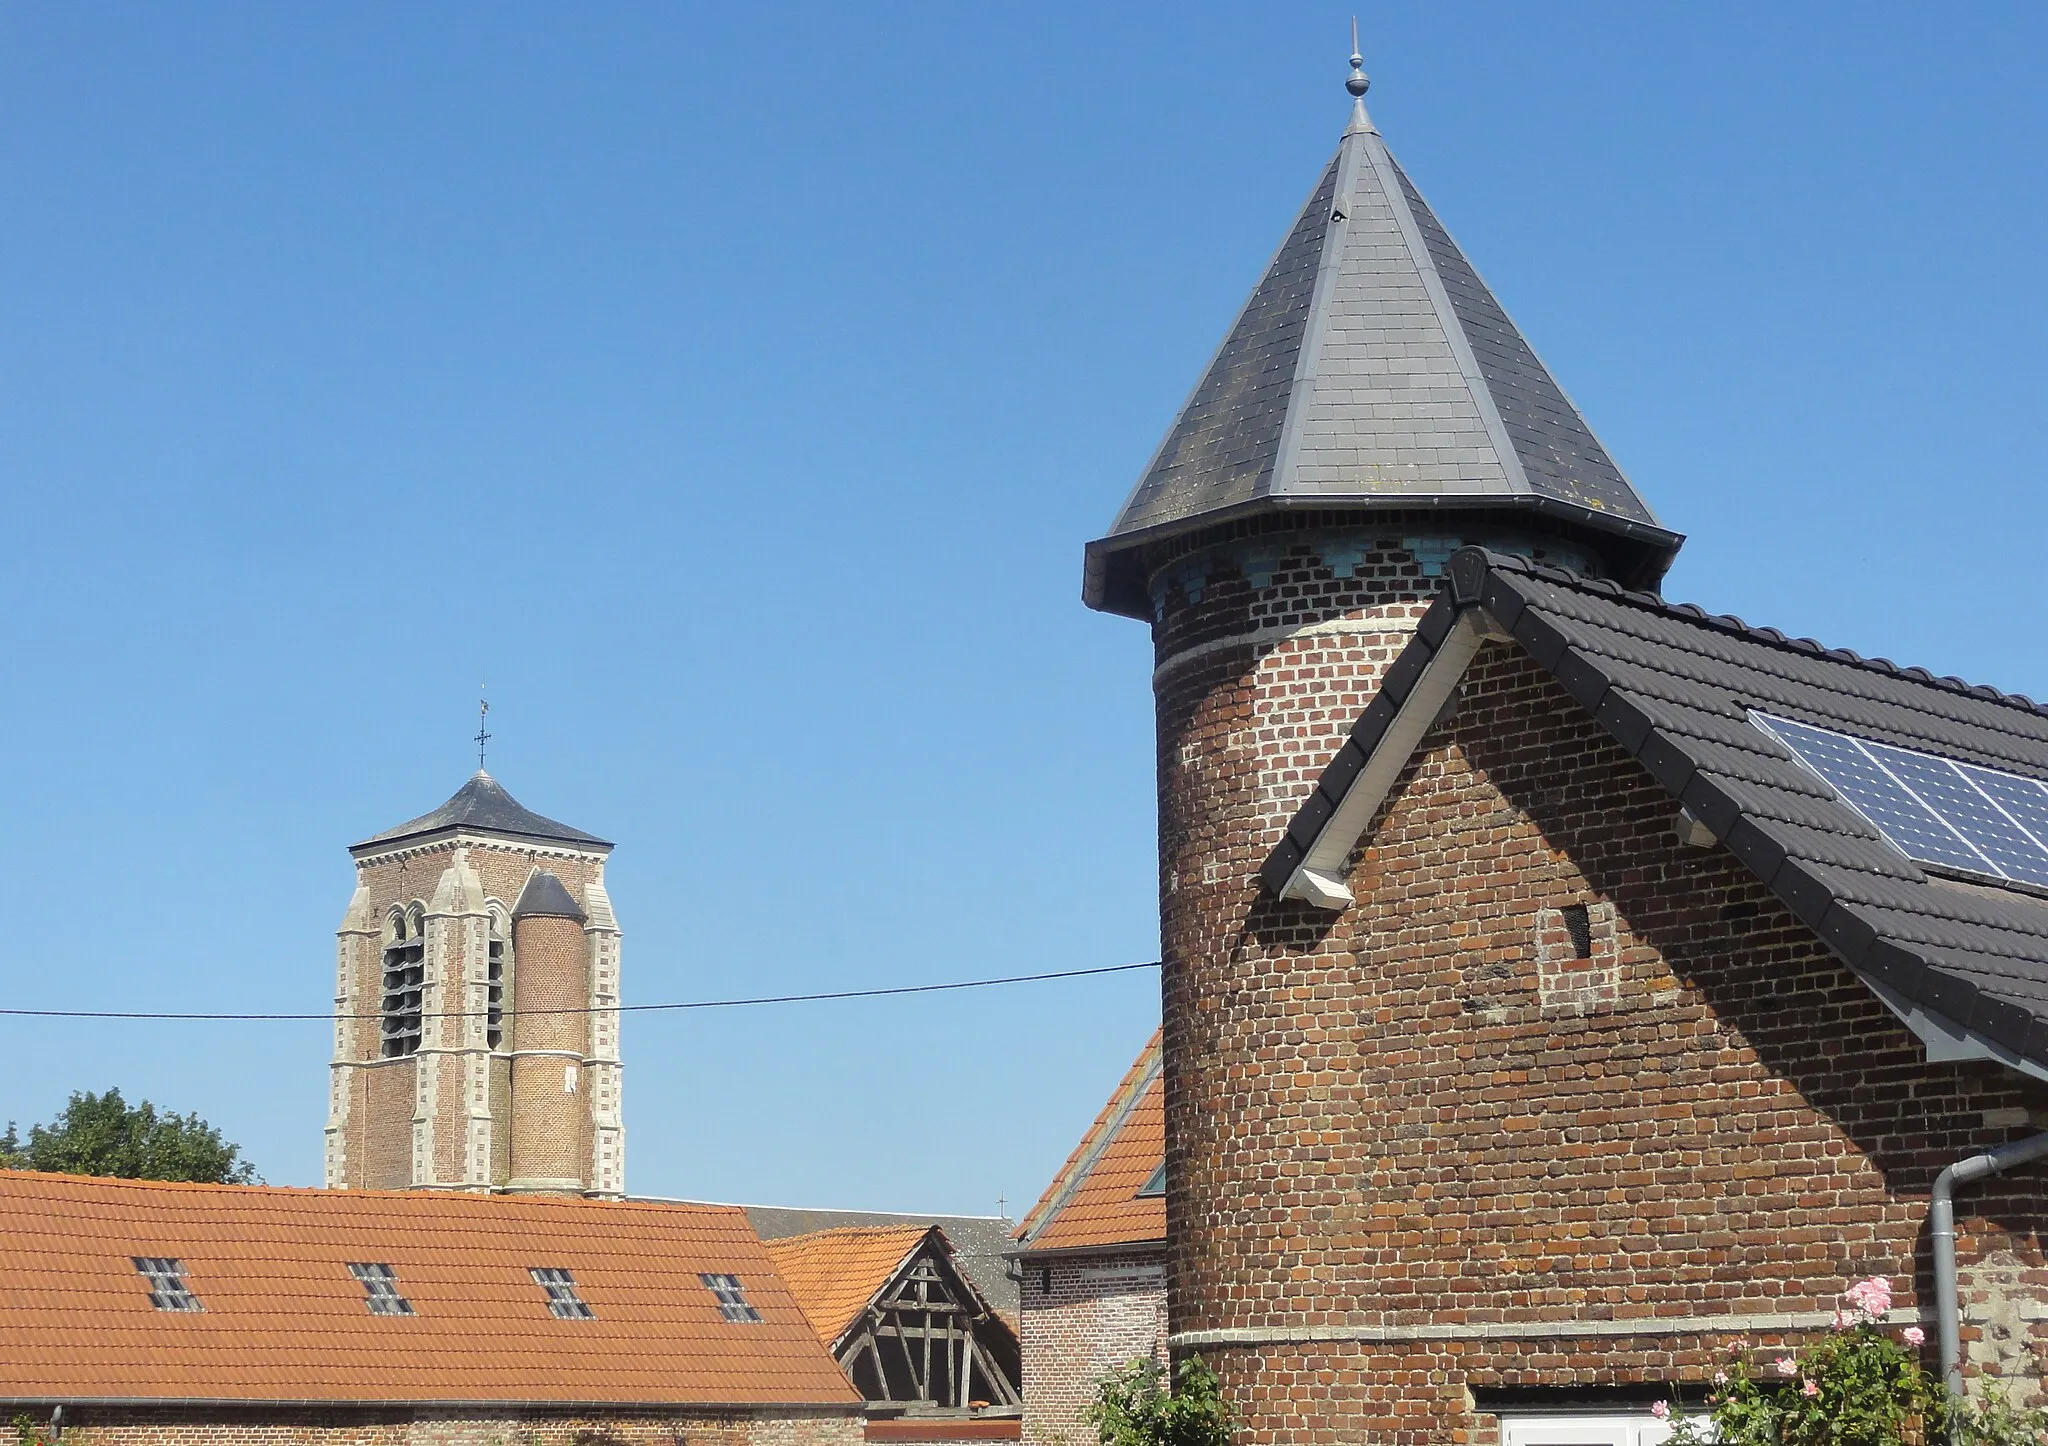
<point x="1358" y="83"/>
<point x="483" y="711"/>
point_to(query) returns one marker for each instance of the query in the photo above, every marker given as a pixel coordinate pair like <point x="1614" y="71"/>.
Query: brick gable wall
<point x="1428" y="1132"/>
<point x="1080" y="1317"/>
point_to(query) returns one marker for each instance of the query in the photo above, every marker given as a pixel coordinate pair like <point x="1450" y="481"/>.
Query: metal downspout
<point x="1941" y="1224"/>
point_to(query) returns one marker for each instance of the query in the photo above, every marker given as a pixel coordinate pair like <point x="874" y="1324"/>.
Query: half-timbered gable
<point x="903" y="1320"/>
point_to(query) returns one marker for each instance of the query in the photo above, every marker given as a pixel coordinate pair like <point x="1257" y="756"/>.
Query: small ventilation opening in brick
<point x="1580" y="927"/>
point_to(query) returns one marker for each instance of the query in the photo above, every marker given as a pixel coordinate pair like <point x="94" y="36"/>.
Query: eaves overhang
<point x="1484" y="601"/>
<point x="452" y="833"/>
<point x="1113" y="574"/>
<point x="483" y="1403"/>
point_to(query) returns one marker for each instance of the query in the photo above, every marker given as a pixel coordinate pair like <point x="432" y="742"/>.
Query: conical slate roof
<point x="1372" y="369"/>
<point x="482" y="806"/>
<point x="546" y="896"/>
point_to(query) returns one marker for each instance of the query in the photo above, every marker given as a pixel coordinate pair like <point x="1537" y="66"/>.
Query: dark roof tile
<point x="1676" y="685"/>
<point x="1371" y="368"/>
<point x="483" y="806"/>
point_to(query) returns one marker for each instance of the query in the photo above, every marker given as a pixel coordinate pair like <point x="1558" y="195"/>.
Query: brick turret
<point x="550" y="1040"/>
<point x="1371" y="410"/>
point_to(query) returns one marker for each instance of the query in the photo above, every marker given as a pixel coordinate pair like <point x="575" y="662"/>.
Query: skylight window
<point x="1155" y="1183"/>
<point x="1940" y="812"/>
<point x="563" y="1301"/>
<point x="380" y="1288"/>
<point x="166" y="1277"/>
<point x="732" y="1298"/>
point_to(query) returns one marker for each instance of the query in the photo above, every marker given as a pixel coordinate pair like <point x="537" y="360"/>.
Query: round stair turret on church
<point x="550" y="1040"/>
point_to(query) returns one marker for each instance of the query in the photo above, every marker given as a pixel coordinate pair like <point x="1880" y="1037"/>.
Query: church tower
<point x="1371" y="410"/>
<point x="476" y="1025"/>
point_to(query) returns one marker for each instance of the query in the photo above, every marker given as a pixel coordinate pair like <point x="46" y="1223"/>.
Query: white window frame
<point x="1583" y="1428"/>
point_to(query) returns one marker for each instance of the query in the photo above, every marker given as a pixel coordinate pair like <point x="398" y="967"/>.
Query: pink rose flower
<point x="1809" y="1389"/>
<point x="1787" y="1366"/>
<point x="1872" y="1297"/>
<point x="1915" y="1336"/>
<point x="1661" y="1410"/>
<point x="1720" y="1378"/>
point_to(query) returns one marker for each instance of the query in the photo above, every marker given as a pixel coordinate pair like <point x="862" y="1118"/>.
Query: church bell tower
<point x="476" y="1025"/>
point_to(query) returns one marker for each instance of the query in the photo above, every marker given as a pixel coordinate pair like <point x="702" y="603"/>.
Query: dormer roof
<point x="1372" y="369"/>
<point x="483" y="806"/>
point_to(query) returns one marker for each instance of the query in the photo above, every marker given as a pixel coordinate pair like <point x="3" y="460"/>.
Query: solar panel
<point x="1933" y="809"/>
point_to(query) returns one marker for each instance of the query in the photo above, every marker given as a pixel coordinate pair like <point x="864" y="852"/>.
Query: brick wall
<point x="405" y="1426"/>
<point x="550" y="1123"/>
<point x="1081" y="1316"/>
<point x="1429" y="1133"/>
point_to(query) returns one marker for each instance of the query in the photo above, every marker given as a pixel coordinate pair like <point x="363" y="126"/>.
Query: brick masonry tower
<point x="1371" y="409"/>
<point x="476" y="1032"/>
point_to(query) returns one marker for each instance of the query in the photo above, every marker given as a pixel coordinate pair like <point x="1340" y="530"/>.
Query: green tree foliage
<point x="105" y="1135"/>
<point x="1133" y="1407"/>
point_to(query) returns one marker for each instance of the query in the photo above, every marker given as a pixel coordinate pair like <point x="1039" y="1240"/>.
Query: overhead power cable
<point x="590" y="1009"/>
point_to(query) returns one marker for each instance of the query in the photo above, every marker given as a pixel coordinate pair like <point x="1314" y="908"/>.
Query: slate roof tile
<point x="1372" y="366"/>
<point x="483" y="806"/>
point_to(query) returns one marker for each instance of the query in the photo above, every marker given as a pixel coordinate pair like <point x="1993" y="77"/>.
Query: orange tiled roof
<point x="1094" y="1199"/>
<point x="284" y="1320"/>
<point x="834" y="1273"/>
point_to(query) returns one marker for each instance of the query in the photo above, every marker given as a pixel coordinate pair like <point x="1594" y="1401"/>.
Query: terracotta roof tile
<point x="834" y="1273"/>
<point x="283" y="1318"/>
<point x="1094" y="1199"/>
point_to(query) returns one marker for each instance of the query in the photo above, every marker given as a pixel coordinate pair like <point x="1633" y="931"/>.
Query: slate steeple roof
<point x="483" y="806"/>
<point x="1373" y="369"/>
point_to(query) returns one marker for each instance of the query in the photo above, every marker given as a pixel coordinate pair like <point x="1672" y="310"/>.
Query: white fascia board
<point x="1319" y="879"/>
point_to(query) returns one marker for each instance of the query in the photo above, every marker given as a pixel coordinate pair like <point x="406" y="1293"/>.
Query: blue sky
<point x="732" y="389"/>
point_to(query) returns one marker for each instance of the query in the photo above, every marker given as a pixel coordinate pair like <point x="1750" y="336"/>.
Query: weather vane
<point x="483" y="711"/>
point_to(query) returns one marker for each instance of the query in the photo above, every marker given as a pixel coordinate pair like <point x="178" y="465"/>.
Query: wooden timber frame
<point x="927" y="1341"/>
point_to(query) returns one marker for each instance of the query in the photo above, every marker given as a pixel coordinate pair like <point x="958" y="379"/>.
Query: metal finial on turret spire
<point x="1358" y="83"/>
